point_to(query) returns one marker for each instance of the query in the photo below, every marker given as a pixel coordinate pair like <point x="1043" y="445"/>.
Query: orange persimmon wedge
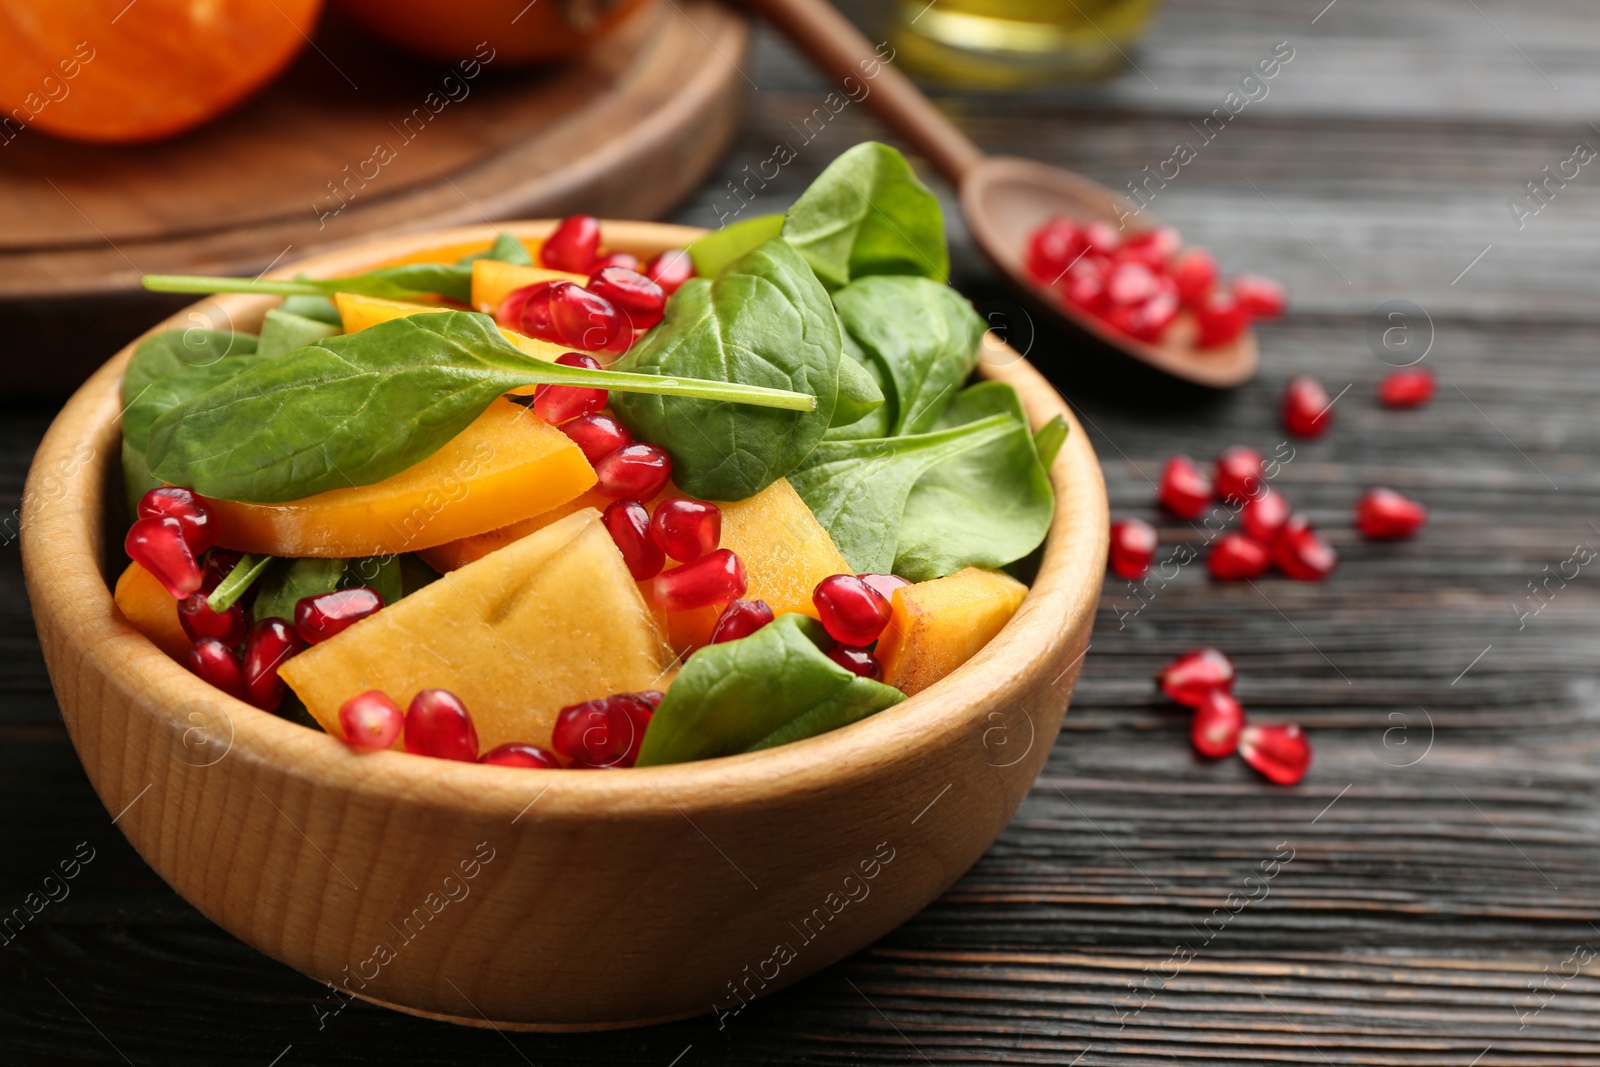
<point x="448" y="557"/>
<point x="937" y="626"/>
<point x="357" y="312"/>
<point x="493" y="281"/>
<point x="151" y="610"/>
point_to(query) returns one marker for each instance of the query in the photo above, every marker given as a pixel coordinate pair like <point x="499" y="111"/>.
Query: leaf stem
<point x="693" y="388"/>
<point x="231" y="588"/>
<point x="198" y="283"/>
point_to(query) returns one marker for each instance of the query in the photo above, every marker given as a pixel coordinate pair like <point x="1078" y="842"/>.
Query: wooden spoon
<point x="1004" y="199"/>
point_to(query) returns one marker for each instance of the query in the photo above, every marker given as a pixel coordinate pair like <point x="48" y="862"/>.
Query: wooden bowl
<point x="543" y="899"/>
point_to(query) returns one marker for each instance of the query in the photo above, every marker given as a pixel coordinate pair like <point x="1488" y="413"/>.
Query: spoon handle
<point x="842" y="51"/>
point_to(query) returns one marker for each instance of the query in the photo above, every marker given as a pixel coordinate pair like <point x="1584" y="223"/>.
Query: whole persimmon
<point x="121" y="72"/>
<point x="517" y="31"/>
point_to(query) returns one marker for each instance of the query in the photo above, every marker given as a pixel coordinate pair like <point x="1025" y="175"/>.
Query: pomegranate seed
<point x="1102" y="237"/>
<point x="1409" y="388"/>
<point x="1301" y="553"/>
<point x="1385" y="515"/>
<point x="370" y="720"/>
<point x="1084" y="284"/>
<point x="1154" y="248"/>
<point x="519" y="754"/>
<point x="158" y="545"/>
<point x="439" y="725"/>
<point x="216" y="664"/>
<point x="1133" y="546"/>
<point x="556" y="404"/>
<point x="641" y="301"/>
<point x="603" y="733"/>
<point x="637" y="472"/>
<point x="188" y="508"/>
<point x="268" y="646"/>
<point x="1196" y="274"/>
<point x="670" y="269"/>
<point x="686" y="529"/>
<point x="714" y="578"/>
<point x="1282" y="753"/>
<point x="1237" y="557"/>
<point x="1307" y="407"/>
<point x="574" y="246"/>
<point x="527" y="309"/>
<point x="1264" y="514"/>
<point x="857" y="661"/>
<point x="1184" y="490"/>
<point x="219" y="563"/>
<point x="1214" y="730"/>
<point x="1238" y="474"/>
<point x="629" y="524"/>
<point x="317" y="618"/>
<point x="740" y="618"/>
<point x="579" y="319"/>
<point x="1052" y="248"/>
<point x="1131" y="282"/>
<point x="1221" y="319"/>
<point x="1260" y="297"/>
<point x="1148" y="320"/>
<point x="851" y="611"/>
<point x="884" y="584"/>
<point x="597" y="435"/>
<point x="1192" y="675"/>
<point x="198" y="620"/>
<point x="625" y="260"/>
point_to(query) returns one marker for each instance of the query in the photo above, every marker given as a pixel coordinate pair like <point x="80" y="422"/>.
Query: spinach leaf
<point x="770" y="688"/>
<point x="986" y="507"/>
<point x="237" y="582"/>
<point x="868" y="214"/>
<point x="382" y="574"/>
<point x="506" y="249"/>
<point x="764" y="320"/>
<point x="871" y="422"/>
<point x="283" y="331"/>
<point x="860" y="393"/>
<point x="1048" y="439"/>
<point x="175" y="350"/>
<point x="287" y="580"/>
<point x="320" y="308"/>
<point x="713" y="252"/>
<point x="858" y="489"/>
<point x="922" y="333"/>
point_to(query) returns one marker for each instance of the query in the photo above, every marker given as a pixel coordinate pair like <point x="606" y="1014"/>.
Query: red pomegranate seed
<point x="1385" y="515"/>
<point x="219" y="563"/>
<point x="636" y="472"/>
<point x="1131" y="282"/>
<point x="1102" y="237"/>
<point x="1084" y="284"/>
<point x="520" y="754"/>
<point x="216" y="664"/>
<point x="1410" y="388"/>
<point x="1154" y="248"/>
<point x="1264" y="514"/>
<point x="439" y="725"/>
<point x="1220" y="318"/>
<point x="1149" y="319"/>
<point x="1301" y="553"/>
<point x="597" y="435"/>
<point x="159" y="546"/>
<point x="1192" y="675"/>
<point x="641" y="301"/>
<point x="1184" y="491"/>
<point x="1052" y="248"/>
<point x="741" y="618"/>
<point x="268" y="646"/>
<point x="857" y="660"/>
<point x="574" y="246"/>
<point x="714" y="578"/>
<point x="1238" y="474"/>
<point x="629" y="524"/>
<point x="884" y="584"/>
<point x="198" y="620"/>
<point x="370" y="720"/>
<point x="1307" y="407"/>
<point x="625" y="260"/>
<point x="1195" y="271"/>
<point x="317" y="618"/>
<point x="1236" y="557"/>
<point x="1261" y="298"/>
<point x="851" y="611"/>
<point x="1214" y="730"/>
<point x="556" y="404"/>
<point x="670" y="269"/>
<point x="1282" y="753"/>
<point x="603" y="733"/>
<point x="527" y="309"/>
<point x="686" y="529"/>
<point x="188" y="508"/>
<point x="1133" y="546"/>
<point x="581" y="319"/>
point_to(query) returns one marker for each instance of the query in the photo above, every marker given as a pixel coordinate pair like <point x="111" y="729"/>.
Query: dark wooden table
<point x="1437" y="872"/>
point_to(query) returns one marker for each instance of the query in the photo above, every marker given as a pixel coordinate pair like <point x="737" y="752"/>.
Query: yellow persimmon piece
<point x="937" y="626"/>
<point x="506" y="467"/>
<point x="151" y="610"/>
<point x="550" y="620"/>
<point x="448" y="557"/>
<point x="357" y="312"/>
<point x="493" y="281"/>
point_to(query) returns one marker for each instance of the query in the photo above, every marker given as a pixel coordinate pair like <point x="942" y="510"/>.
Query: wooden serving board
<point x="351" y="141"/>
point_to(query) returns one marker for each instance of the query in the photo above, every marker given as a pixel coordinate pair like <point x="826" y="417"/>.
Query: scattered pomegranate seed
<point x="1184" y="491"/>
<point x="1236" y="557"/>
<point x="852" y="611"/>
<point x="216" y="664"/>
<point x="1195" y="271"/>
<point x="1385" y="515"/>
<point x="198" y="620"/>
<point x="597" y="435"/>
<point x="268" y="646"/>
<point x="1214" y="730"/>
<point x="625" y="260"/>
<point x="1053" y="247"/>
<point x="633" y="471"/>
<point x="188" y="508"/>
<point x="629" y="525"/>
<point x="1238" y="474"/>
<point x="686" y="529"/>
<point x="1301" y="553"/>
<point x="741" y="618"/>
<point x="606" y="732"/>
<point x="1282" y="753"/>
<point x="1102" y="237"/>
<point x="219" y="563"/>
<point x="370" y="720"/>
<point x="1220" y="318"/>
<point x="1409" y="388"/>
<point x="857" y="660"/>
<point x="1133" y="546"/>
<point x="159" y="546"/>
<point x="556" y="404"/>
<point x="670" y="269"/>
<point x="714" y="578"/>
<point x="520" y="754"/>
<point x="884" y="584"/>
<point x="317" y="618"/>
<point x="1264" y="514"/>
<point x="439" y="725"/>
<point x="642" y="302"/>
<point x="1260" y="297"/>
<point x="1307" y="407"/>
<point x="1155" y="248"/>
<point x="1192" y="675"/>
<point x="574" y="246"/>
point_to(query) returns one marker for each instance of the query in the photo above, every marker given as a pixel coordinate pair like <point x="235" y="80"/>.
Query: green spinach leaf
<point x="283" y="331"/>
<point x="174" y="350"/>
<point x="320" y="308"/>
<point x="382" y="574"/>
<point x="869" y="421"/>
<point x="717" y="249"/>
<point x="859" y="392"/>
<point x="506" y="248"/>
<point x="1048" y="439"/>
<point x="287" y="580"/>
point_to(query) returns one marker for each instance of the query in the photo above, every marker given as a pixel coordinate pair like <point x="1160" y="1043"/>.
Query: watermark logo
<point x="1400" y="333"/>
